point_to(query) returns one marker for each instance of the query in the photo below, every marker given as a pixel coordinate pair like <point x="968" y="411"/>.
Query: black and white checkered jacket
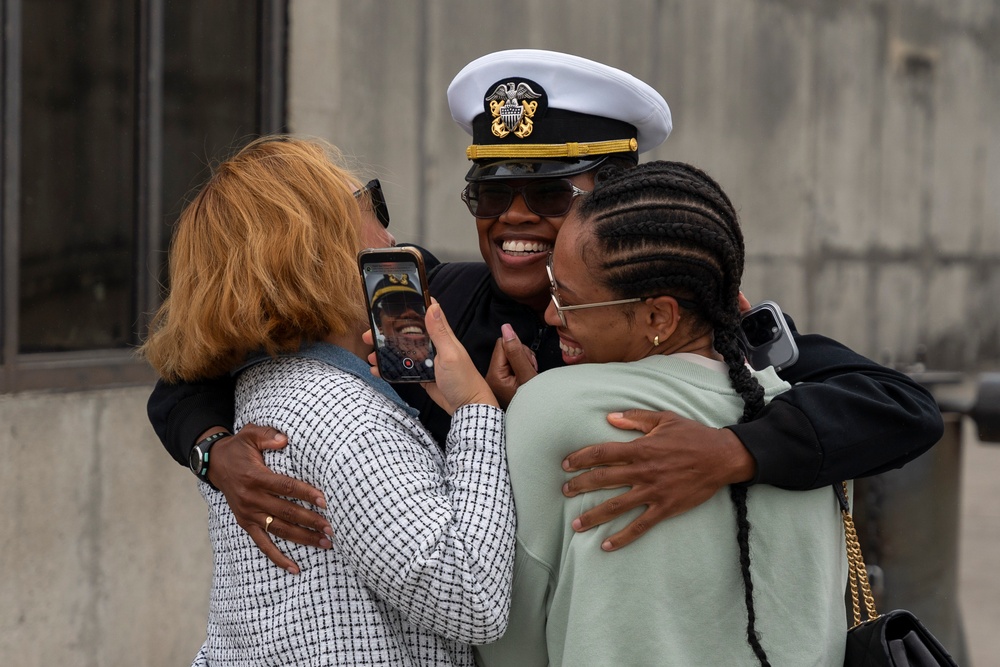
<point x="423" y="541"/>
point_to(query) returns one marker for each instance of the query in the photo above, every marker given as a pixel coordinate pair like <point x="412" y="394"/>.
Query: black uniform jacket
<point x="845" y="416"/>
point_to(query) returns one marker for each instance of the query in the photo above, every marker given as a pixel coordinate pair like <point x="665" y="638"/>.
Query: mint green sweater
<point x="675" y="596"/>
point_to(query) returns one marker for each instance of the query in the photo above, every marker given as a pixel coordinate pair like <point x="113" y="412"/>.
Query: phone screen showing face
<point x="396" y="304"/>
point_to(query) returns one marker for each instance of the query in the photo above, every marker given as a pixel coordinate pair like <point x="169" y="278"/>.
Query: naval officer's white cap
<point x="534" y="113"/>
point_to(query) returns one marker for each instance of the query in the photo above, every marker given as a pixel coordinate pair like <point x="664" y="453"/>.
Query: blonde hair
<point x="262" y="258"/>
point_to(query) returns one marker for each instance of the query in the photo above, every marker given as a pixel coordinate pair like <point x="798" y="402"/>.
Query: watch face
<point x="195" y="460"/>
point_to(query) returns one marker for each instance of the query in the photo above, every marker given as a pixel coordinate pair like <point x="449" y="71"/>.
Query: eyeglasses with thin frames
<point x="373" y="190"/>
<point x="548" y="198"/>
<point x="561" y="309"/>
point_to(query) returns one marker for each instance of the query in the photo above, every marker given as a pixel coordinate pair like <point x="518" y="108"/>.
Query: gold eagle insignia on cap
<point x="403" y="279"/>
<point x="512" y="112"/>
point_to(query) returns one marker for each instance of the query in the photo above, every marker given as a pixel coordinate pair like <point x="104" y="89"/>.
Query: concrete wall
<point x="859" y="139"/>
<point x="105" y="558"/>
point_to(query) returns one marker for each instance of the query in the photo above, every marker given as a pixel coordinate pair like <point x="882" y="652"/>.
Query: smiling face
<point x="594" y="335"/>
<point x="401" y="321"/>
<point x="516" y="244"/>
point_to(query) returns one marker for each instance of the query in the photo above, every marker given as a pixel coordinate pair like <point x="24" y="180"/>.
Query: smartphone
<point x="395" y="286"/>
<point x="766" y="338"/>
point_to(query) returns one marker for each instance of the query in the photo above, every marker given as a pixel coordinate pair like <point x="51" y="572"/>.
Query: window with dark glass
<point x="114" y="111"/>
<point x="77" y="165"/>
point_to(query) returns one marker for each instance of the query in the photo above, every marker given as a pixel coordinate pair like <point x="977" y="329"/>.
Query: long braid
<point x="668" y="228"/>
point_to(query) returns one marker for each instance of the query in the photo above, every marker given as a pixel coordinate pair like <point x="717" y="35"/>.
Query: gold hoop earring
<point x="656" y="341"/>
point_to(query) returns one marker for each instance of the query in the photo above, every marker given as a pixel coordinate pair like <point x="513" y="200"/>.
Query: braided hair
<point x="668" y="228"/>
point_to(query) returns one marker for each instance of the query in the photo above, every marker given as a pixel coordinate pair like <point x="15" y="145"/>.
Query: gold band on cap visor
<point x="393" y="289"/>
<point x="572" y="149"/>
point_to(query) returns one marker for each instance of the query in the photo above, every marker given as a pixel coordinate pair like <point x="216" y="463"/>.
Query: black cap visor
<point x="492" y="170"/>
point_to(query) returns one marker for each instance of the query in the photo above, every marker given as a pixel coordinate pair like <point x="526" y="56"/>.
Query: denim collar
<point x="343" y="360"/>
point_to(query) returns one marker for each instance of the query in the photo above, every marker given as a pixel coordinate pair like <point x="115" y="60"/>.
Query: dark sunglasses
<point x="396" y="305"/>
<point x="373" y="190"/>
<point x="549" y="198"/>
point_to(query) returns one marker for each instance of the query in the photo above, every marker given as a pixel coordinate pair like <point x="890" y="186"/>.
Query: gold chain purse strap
<point x="857" y="575"/>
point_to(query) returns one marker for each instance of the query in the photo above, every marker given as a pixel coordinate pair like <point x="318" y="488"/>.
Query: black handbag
<point x="895" y="639"/>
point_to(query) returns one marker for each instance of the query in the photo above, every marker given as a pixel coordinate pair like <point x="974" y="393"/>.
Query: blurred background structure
<point x="859" y="139"/>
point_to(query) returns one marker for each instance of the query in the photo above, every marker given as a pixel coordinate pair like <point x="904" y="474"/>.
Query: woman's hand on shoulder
<point x="675" y="466"/>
